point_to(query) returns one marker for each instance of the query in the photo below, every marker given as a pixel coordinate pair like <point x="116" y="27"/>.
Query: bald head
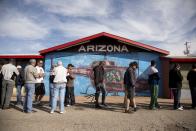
<point x="59" y="63"/>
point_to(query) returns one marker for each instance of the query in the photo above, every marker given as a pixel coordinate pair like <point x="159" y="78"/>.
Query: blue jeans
<point x="100" y="88"/>
<point x="51" y="88"/>
<point x="30" y="89"/>
<point x="19" y="97"/>
<point x="177" y="94"/>
<point x="59" y="90"/>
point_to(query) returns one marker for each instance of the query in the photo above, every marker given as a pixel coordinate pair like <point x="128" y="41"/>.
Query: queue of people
<point x="61" y="85"/>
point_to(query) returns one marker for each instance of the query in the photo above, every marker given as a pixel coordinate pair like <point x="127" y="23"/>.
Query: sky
<point x="28" y="26"/>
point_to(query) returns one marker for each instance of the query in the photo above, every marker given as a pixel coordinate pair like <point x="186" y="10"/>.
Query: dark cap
<point x="152" y="62"/>
<point x="70" y="65"/>
<point x="134" y="63"/>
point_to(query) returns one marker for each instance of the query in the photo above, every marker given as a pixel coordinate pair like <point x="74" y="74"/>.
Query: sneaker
<point x="68" y="105"/>
<point x="6" y="108"/>
<point x="181" y="106"/>
<point x="36" y="102"/>
<point x="180" y="109"/>
<point x="98" y="106"/>
<point x="158" y="106"/>
<point x="153" y="108"/>
<point x="127" y="111"/>
<point x="51" y="112"/>
<point x="61" y="112"/>
<point x="135" y="109"/>
<point x="27" y="112"/>
<point x="104" y="104"/>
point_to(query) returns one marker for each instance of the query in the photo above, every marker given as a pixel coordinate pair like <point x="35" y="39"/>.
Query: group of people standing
<point x="32" y="78"/>
<point x="130" y="80"/>
<point x="175" y="84"/>
<point x="62" y="85"/>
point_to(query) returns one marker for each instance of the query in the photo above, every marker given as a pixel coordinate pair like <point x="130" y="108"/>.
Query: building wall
<point x="165" y="66"/>
<point x="116" y="64"/>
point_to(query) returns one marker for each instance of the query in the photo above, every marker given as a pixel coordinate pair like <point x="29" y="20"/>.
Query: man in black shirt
<point x="191" y="77"/>
<point x="175" y="83"/>
<point x="99" y="83"/>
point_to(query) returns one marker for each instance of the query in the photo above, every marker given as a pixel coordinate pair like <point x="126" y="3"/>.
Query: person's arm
<point x="22" y="77"/>
<point x="103" y="71"/>
<point x="157" y="76"/>
<point x="16" y="71"/>
<point x="35" y="73"/>
<point x="71" y="76"/>
<point x="55" y="71"/>
<point x="131" y="72"/>
<point x="93" y="74"/>
<point x="188" y="76"/>
<point x="179" y="76"/>
<point x="43" y="73"/>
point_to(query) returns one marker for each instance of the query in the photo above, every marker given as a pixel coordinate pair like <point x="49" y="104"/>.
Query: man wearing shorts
<point x="39" y="86"/>
<point x="129" y="81"/>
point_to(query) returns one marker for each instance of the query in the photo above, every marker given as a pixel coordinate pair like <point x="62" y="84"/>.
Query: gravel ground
<point x="84" y="117"/>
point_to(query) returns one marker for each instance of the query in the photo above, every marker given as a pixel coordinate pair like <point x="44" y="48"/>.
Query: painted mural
<point x="116" y="64"/>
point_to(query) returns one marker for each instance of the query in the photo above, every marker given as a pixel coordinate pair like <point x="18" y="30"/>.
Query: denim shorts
<point x="130" y="92"/>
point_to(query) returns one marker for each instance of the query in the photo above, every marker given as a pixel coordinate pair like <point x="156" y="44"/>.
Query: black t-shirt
<point x="98" y="74"/>
<point x="191" y="77"/>
<point x="175" y="78"/>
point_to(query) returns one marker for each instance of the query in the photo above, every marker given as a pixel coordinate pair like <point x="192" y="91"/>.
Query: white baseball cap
<point x="18" y="66"/>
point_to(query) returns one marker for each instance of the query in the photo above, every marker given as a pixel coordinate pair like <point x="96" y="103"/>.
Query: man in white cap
<point x="60" y="81"/>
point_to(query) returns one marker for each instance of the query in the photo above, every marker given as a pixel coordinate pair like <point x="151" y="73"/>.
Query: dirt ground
<point x="84" y="117"/>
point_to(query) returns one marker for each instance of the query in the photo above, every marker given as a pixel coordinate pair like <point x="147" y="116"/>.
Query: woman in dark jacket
<point x="175" y="83"/>
<point x="19" y="84"/>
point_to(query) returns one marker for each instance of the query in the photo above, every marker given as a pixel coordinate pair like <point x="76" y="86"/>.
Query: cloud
<point x="18" y="47"/>
<point x="76" y="8"/>
<point x="164" y="24"/>
<point x="15" y="24"/>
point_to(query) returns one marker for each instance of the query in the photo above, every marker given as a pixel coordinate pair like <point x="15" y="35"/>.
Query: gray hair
<point x="31" y="61"/>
